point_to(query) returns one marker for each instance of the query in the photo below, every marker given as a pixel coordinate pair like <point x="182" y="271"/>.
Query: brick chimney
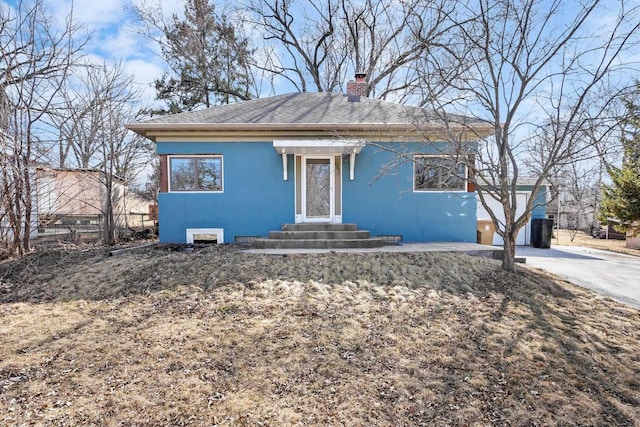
<point x="359" y="86"/>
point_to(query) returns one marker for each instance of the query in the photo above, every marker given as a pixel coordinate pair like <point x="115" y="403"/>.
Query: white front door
<point x="318" y="189"/>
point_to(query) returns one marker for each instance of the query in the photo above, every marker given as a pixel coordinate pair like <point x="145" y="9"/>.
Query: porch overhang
<point x="318" y="146"/>
<point x="309" y="147"/>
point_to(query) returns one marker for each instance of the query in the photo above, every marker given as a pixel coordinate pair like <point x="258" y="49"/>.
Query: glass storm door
<point x="318" y="186"/>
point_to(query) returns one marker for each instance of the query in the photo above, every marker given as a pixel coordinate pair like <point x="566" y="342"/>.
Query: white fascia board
<point x="318" y="146"/>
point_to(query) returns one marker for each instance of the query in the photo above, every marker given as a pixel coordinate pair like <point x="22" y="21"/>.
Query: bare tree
<point x="575" y="184"/>
<point x="75" y="120"/>
<point x="536" y="70"/>
<point x="582" y="196"/>
<point x="315" y="45"/>
<point x="303" y="43"/>
<point x="34" y="58"/>
<point x="99" y="102"/>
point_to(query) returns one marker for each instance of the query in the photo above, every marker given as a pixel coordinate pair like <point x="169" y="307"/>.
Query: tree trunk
<point x="108" y="228"/>
<point x="28" y="196"/>
<point x="509" y="257"/>
<point x="28" y="205"/>
<point x="108" y="213"/>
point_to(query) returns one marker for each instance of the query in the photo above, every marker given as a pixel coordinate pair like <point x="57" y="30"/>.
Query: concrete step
<point x="320" y="226"/>
<point x="317" y="243"/>
<point x="308" y="235"/>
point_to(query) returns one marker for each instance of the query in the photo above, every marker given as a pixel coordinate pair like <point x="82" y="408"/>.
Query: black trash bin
<point x="536" y="232"/>
<point x="541" y="233"/>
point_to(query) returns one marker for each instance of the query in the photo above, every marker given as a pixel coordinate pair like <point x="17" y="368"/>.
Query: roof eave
<point x="240" y="127"/>
<point x="150" y="130"/>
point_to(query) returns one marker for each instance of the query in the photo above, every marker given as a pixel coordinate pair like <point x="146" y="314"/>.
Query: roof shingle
<point x="308" y="108"/>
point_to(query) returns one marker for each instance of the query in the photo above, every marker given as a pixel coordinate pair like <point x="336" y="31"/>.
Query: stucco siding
<point x="255" y="198"/>
<point x="540" y="204"/>
<point x="386" y="204"/>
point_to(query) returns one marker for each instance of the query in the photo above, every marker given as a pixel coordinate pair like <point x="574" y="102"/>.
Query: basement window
<point x="205" y="235"/>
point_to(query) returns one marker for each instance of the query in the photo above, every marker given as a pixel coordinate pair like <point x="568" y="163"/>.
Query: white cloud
<point x="90" y="13"/>
<point x="7" y="6"/>
<point x="111" y="25"/>
<point x="123" y="42"/>
<point x="144" y="72"/>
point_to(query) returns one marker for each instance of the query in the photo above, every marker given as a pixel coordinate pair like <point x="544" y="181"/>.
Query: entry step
<point x="319" y="236"/>
<point x="319" y="226"/>
<point x="309" y="235"/>
<point x="317" y="243"/>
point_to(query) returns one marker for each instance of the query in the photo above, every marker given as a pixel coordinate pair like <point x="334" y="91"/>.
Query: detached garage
<point x="523" y="194"/>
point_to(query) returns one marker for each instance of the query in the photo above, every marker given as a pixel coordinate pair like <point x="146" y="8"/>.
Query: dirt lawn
<point x="219" y="337"/>
<point x="580" y="238"/>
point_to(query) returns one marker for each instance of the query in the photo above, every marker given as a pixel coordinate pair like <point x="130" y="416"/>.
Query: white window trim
<point x="427" y="190"/>
<point x="193" y="156"/>
<point x="219" y="232"/>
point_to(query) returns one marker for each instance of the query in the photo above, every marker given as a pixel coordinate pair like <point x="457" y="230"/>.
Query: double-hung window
<point x="438" y="173"/>
<point x="195" y="173"/>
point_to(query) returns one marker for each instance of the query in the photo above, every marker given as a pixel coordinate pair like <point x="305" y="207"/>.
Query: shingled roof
<point x="309" y="111"/>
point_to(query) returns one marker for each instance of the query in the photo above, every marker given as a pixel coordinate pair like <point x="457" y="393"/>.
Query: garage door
<point x="524" y="237"/>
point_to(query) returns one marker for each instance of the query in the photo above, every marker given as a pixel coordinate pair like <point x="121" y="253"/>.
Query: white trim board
<point x="219" y="232"/>
<point x="318" y="146"/>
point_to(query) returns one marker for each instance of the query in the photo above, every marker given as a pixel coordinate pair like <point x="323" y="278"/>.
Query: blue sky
<point x="112" y="26"/>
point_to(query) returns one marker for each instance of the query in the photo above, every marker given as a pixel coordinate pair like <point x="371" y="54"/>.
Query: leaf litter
<point x="222" y="337"/>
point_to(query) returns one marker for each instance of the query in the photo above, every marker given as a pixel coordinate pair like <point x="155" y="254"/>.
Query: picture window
<point x="438" y="173"/>
<point x="195" y="173"/>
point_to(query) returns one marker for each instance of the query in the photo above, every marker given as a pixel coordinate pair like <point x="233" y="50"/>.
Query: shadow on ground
<point x="554" y="253"/>
<point x="431" y="338"/>
<point x="91" y="274"/>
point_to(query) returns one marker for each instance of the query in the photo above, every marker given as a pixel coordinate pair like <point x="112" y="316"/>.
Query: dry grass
<point x="583" y="239"/>
<point x="220" y="337"/>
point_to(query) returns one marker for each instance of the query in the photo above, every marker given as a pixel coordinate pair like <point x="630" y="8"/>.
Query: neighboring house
<point x="633" y="236"/>
<point x="553" y="213"/>
<point x="242" y="170"/>
<point x="524" y="191"/>
<point x="73" y="196"/>
<point x="571" y="216"/>
<point x="138" y="208"/>
<point x="608" y="230"/>
<point x="77" y="197"/>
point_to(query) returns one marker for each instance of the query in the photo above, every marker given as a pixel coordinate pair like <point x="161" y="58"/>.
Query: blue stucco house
<point x="243" y="170"/>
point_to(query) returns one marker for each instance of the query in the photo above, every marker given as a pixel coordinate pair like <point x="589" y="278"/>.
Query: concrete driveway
<point x="610" y="274"/>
